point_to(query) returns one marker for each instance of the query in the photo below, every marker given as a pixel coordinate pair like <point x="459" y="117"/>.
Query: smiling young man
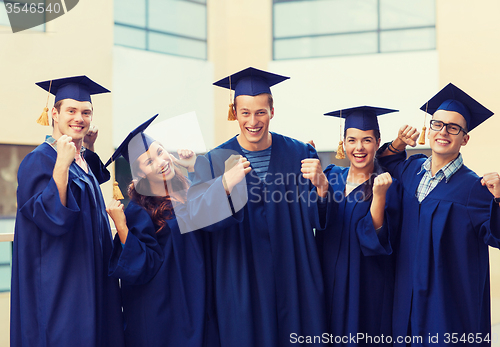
<point x="266" y="273"/>
<point x="450" y="217"/>
<point x="61" y="294"/>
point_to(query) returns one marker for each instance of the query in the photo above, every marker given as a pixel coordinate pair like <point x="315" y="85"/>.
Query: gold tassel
<point x="230" y="113"/>
<point x="44" y="117"/>
<point x="117" y="194"/>
<point x="340" y="151"/>
<point x="421" y="140"/>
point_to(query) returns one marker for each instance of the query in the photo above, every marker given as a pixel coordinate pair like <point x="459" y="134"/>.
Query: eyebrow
<point x="365" y="137"/>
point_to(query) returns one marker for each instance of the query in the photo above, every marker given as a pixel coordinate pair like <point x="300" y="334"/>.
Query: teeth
<point x="360" y="155"/>
<point x="443" y="142"/>
<point x="165" y="169"/>
<point x="254" y="130"/>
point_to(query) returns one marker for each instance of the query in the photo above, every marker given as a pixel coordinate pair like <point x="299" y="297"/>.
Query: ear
<point x="272" y="113"/>
<point x="54" y="114"/>
<point x="465" y="140"/>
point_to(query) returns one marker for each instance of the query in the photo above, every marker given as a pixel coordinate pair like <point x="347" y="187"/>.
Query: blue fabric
<point x="61" y="294"/>
<point x="452" y="98"/>
<point x="442" y="267"/>
<point x="266" y="271"/>
<point x="163" y="284"/>
<point x="78" y="88"/>
<point x="357" y="263"/>
<point x="96" y="166"/>
<point x="361" y="117"/>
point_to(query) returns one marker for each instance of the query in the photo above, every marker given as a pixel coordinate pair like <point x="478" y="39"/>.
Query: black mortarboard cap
<point x="78" y="88"/>
<point x="452" y="98"/>
<point x="250" y="81"/>
<point x="361" y="117"/>
<point x="133" y="146"/>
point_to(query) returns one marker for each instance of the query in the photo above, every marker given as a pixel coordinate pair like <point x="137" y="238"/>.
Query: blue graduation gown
<point x="442" y="269"/>
<point x="357" y="264"/>
<point x="266" y="271"/>
<point x="61" y="294"/>
<point x="163" y="284"/>
<point x="98" y="169"/>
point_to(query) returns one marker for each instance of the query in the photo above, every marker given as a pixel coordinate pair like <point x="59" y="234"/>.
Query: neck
<point x="263" y="144"/>
<point x="439" y="161"/>
<point x="358" y="175"/>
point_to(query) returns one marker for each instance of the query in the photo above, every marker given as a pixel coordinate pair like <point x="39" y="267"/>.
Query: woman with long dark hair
<point x="162" y="270"/>
<point x="356" y="221"/>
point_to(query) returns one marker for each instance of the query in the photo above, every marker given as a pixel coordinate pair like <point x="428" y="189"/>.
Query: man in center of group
<point x="266" y="274"/>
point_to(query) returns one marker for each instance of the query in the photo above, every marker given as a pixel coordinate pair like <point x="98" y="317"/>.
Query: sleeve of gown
<point x="208" y="205"/>
<point x="138" y="261"/>
<point x="321" y="210"/>
<point x="98" y="169"/>
<point x="38" y="196"/>
<point x="484" y="214"/>
<point x="373" y="243"/>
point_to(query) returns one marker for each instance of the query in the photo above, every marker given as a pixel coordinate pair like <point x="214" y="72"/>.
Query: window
<point x="177" y="27"/>
<point x="322" y="28"/>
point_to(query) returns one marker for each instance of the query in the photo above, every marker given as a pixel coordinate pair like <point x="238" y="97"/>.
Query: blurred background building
<point x="162" y="56"/>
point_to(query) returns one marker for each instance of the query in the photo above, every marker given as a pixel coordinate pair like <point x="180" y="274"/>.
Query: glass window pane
<point x="407" y="13"/>
<point x="131" y="12"/>
<point x="325" y="46"/>
<point x="5" y="277"/>
<point x="408" y="40"/>
<point x="130" y="37"/>
<point x="178" y="17"/>
<point x="301" y="18"/>
<point x="5" y="252"/>
<point x="177" y="45"/>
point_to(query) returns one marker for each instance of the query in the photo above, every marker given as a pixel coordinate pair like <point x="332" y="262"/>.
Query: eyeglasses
<point x="451" y="128"/>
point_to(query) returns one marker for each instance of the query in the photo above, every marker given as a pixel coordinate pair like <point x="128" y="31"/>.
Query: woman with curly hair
<point x="162" y="270"/>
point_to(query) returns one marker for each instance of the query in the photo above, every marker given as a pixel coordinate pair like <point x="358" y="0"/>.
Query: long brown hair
<point x="160" y="208"/>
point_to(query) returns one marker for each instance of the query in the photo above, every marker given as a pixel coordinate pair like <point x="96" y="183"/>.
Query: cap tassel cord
<point x="340" y="149"/>
<point x="421" y="140"/>
<point x="44" y="117"/>
<point x="230" y="113"/>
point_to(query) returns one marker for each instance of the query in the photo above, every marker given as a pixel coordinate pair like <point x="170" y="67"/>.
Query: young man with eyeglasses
<point x="450" y="216"/>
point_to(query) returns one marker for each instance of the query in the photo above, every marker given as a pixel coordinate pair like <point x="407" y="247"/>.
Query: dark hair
<point x="376" y="133"/>
<point x="57" y="106"/>
<point x="269" y="100"/>
<point x="160" y="208"/>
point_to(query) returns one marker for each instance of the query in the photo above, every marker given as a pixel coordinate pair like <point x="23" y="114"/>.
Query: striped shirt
<point x="259" y="161"/>
<point x="428" y="182"/>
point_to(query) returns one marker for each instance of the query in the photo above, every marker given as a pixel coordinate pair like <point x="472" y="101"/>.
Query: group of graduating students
<point x="257" y="246"/>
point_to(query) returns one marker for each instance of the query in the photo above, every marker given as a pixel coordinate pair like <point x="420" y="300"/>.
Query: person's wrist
<point x="398" y="144"/>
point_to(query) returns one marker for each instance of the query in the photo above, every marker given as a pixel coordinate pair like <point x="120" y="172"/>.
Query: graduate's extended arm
<point x="311" y="170"/>
<point x="380" y="186"/>
<point x="66" y="151"/>
<point x="407" y="136"/>
<point x="492" y="182"/>
<point x="96" y="165"/>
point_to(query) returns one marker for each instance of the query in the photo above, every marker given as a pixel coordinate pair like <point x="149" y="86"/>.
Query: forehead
<point x="450" y="117"/>
<point x="83" y="105"/>
<point x="257" y="101"/>
<point x="353" y="132"/>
